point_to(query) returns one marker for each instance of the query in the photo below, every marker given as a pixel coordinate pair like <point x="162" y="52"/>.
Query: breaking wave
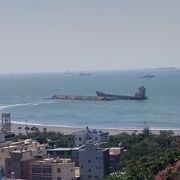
<point x="2" y="107"/>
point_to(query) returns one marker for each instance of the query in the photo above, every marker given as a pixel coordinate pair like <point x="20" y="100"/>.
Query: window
<point x="82" y="167"/>
<point x="71" y="170"/>
<point x="36" y="169"/>
<point x="58" y="178"/>
<point x="89" y="170"/>
<point x="99" y="158"/>
<point x="46" y="170"/>
<point x="89" y="161"/>
<point x="80" y="139"/>
<point x="58" y="170"/>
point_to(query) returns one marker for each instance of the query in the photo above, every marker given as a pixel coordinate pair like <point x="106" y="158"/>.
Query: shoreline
<point x="69" y="130"/>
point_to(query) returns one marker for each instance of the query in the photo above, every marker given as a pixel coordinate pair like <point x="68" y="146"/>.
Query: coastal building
<point x="37" y="151"/>
<point x="4" y="154"/>
<point x="19" y="162"/>
<point x="6" y="123"/>
<point x="93" y="161"/>
<point x="115" y="153"/>
<point x="97" y="136"/>
<point x="2" y="137"/>
<point x="53" y="169"/>
<point x="71" y="153"/>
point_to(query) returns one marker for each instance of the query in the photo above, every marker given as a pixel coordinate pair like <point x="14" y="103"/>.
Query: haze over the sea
<point x="53" y="36"/>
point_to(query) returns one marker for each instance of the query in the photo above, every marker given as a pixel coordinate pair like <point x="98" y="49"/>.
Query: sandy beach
<point x="69" y="130"/>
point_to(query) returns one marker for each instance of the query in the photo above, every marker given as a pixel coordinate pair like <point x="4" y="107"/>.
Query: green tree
<point x="19" y="129"/>
<point x="27" y="129"/>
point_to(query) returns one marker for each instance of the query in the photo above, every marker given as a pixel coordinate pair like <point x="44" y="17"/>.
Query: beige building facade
<point x="53" y="169"/>
<point x="5" y="153"/>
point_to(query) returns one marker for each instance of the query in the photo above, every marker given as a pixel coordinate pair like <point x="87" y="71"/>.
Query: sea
<point x="25" y="96"/>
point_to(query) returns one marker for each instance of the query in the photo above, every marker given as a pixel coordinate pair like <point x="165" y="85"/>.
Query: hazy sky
<point x="57" y="35"/>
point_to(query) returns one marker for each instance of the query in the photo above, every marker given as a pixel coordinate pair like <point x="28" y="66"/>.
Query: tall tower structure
<point x="6" y="123"/>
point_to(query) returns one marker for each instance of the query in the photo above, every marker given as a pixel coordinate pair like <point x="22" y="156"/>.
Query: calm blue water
<point x="24" y="97"/>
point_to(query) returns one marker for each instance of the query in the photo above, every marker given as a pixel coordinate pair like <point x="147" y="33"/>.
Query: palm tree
<point x="45" y="131"/>
<point x="19" y="129"/>
<point x="35" y="129"/>
<point x="27" y="129"/>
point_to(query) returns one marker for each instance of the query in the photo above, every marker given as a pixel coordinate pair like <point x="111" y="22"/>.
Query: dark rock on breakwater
<point x="73" y="97"/>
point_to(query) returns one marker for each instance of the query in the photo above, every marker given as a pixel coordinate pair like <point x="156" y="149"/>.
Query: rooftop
<point x="66" y="149"/>
<point x="115" y="150"/>
<point x="8" y="147"/>
<point x="54" y="160"/>
<point x="20" y="151"/>
<point x="91" y="131"/>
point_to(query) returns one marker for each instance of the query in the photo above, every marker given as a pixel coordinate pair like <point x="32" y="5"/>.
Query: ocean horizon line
<point x="92" y="70"/>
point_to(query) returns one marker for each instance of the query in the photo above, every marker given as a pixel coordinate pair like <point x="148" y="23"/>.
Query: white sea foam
<point x="2" y="107"/>
<point x="24" y="123"/>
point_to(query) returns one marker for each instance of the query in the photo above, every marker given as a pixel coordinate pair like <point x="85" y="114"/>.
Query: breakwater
<point x="73" y="97"/>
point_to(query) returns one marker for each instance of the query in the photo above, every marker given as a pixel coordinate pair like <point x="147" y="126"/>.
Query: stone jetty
<point x="73" y="97"/>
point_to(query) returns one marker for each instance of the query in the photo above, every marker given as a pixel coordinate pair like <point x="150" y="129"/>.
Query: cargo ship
<point x="140" y="95"/>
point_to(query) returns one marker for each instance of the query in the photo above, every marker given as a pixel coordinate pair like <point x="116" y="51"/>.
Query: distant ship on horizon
<point x="147" y="76"/>
<point x="84" y="74"/>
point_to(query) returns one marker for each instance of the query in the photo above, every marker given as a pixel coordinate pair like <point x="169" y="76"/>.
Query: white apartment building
<point x="97" y="136"/>
<point x="94" y="162"/>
